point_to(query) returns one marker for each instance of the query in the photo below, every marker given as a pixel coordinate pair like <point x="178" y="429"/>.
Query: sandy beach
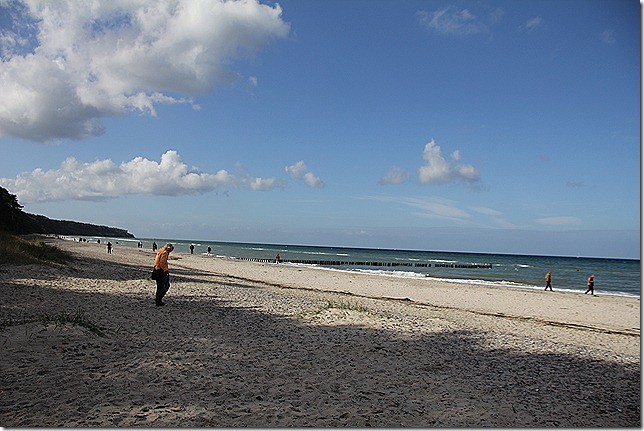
<point x="265" y="345"/>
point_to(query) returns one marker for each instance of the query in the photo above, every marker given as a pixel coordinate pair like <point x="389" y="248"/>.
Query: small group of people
<point x="192" y="249"/>
<point x="590" y="283"/>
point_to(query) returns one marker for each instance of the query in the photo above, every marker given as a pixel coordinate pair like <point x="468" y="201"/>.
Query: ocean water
<point x="612" y="276"/>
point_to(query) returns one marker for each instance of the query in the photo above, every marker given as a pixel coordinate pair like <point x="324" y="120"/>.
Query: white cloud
<point x="439" y="170"/>
<point x="532" y="23"/>
<point x="395" y="175"/>
<point x="256" y="183"/>
<point x="451" y="20"/>
<point x="298" y="172"/>
<point x="434" y="208"/>
<point x="494" y="217"/>
<point x="575" y="184"/>
<point x="83" y="61"/>
<point x="265" y="184"/>
<point x="443" y="209"/>
<point x="559" y="221"/>
<point x="486" y="211"/>
<point x="608" y="37"/>
<point x="312" y="181"/>
<point x="103" y="179"/>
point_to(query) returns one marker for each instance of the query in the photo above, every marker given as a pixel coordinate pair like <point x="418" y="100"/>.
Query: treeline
<point x="13" y="219"/>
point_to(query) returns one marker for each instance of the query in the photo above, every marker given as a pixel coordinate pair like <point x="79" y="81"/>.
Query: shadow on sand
<point x="206" y="361"/>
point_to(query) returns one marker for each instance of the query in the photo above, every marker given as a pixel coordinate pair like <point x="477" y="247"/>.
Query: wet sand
<point x="265" y="345"/>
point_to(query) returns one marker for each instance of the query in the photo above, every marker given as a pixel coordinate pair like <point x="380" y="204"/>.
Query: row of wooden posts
<point x="374" y="263"/>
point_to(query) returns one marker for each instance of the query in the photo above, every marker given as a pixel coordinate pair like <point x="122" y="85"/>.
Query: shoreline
<point x="269" y="345"/>
<point x="501" y="273"/>
<point x="470" y="282"/>
<point x="207" y="242"/>
<point x="600" y="312"/>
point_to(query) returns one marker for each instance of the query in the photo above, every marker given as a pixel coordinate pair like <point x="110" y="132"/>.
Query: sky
<point x="476" y="126"/>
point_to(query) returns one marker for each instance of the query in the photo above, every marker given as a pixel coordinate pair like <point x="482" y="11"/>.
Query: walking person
<point x="109" y="247"/>
<point x="548" y="281"/>
<point x="591" y="285"/>
<point x="163" y="279"/>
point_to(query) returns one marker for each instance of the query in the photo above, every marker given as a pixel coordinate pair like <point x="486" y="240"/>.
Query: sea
<point x="620" y="277"/>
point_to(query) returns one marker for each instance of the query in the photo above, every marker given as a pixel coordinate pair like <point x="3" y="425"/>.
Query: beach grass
<point x="346" y="306"/>
<point x="77" y="319"/>
<point x="62" y="318"/>
<point x="15" y="250"/>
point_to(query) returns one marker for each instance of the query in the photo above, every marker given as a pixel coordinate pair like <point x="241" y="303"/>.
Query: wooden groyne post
<point x="372" y="263"/>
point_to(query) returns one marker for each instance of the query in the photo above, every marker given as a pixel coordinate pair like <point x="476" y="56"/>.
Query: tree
<point x="11" y="215"/>
<point x="9" y="201"/>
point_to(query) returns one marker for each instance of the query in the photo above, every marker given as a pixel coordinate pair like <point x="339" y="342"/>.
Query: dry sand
<point x="265" y="345"/>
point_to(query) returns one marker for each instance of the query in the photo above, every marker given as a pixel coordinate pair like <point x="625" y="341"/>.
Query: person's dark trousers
<point x="163" y="285"/>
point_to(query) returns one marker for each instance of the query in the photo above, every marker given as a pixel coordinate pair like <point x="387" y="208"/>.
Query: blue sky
<point x="486" y="126"/>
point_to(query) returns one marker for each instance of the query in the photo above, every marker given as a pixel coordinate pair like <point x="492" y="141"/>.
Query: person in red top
<point x="591" y="285"/>
<point x="161" y="263"/>
<point x="548" y="281"/>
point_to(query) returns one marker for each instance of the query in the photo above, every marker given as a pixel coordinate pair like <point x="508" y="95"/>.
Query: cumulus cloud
<point x="451" y="20"/>
<point x="437" y="169"/>
<point x="264" y="184"/>
<point x="298" y="172"/>
<point x="395" y="175"/>
<point x="243" y="177"/>
<point x="103" y="179"/>
<point x="312" y="181"/>
<point x="66" y="64"/>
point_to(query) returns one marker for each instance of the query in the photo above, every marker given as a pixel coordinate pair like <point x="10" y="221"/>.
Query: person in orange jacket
<point x="161" y="263"/>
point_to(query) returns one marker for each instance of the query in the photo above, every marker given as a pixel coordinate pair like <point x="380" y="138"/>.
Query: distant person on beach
<point x="277" y="258"/>
<point x="192" y="249"/>
<point x="591" y="285"/>
<point x="109" y="247"/>
<point x="548" y="281"/>
<point x="154" y="246"/>
<point x="163" y="282"/>
<point x="209" y="249"/>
